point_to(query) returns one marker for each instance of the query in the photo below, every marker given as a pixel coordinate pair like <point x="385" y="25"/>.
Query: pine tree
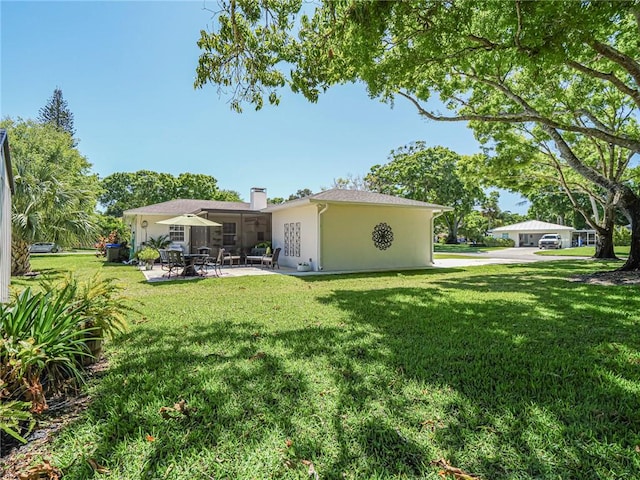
<point x="57" y="113"/>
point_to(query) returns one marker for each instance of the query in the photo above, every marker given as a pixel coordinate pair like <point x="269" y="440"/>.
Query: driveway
<point x="507" y="255"/>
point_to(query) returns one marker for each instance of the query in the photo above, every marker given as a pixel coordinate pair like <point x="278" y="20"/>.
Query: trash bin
<point x="113" y="252"/>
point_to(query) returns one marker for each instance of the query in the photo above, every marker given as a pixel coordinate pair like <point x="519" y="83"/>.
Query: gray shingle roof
<point x="185" y="205"/>
<point x="337" y="195"/>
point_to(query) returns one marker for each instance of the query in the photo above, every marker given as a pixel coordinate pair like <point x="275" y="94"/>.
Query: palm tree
<point x="55" y="197"/>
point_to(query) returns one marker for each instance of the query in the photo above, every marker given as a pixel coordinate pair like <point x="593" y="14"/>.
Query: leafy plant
<point x="148" y="254"/>
<point x="12" y="414"/>
<point x="159" y="242"/>
<point x="98" y="300"/>
<point x="42" y="340"/>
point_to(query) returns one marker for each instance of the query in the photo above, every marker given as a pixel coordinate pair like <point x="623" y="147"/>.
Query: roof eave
<point x="7" y="161"/>
<point x="366" y="204"/>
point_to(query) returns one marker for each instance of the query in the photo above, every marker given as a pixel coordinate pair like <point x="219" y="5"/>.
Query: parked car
<point x="44" y="247"/>
<point x="550" y="240"/>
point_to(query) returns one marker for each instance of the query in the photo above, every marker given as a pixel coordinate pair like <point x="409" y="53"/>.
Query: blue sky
<point x="127" y="69"/>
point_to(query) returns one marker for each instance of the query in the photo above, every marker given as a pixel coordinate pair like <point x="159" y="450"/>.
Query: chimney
<point x="258" y="198"/>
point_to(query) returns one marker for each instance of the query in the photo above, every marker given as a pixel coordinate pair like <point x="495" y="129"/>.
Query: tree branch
<point x="574" y="162"/>
<point x="625" y="142"/>
<point x="616" y="56"/>
<point x="609" y="77"/>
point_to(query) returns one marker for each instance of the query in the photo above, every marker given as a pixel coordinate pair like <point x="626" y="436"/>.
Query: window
<point x="505" y="236"/>
<point x="176" y="233"/>
<point x="261" y="236"/>
<point x="229" y="234"/>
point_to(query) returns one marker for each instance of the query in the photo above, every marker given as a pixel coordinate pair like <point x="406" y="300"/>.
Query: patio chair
<point x="273" y="259"/>
<point x="216" y="263"/>
<point x="201" y="265"/>
<point x="164" y="259"/>
<point x="231" y="257"/>
<point x="175" y="262"/>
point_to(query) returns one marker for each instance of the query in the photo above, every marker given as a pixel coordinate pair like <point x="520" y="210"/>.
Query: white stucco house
<point x="6" y="190"/>
<point x="527" y="234"/>
<point x="339" y="230"/>
<point x="335" y="230"/>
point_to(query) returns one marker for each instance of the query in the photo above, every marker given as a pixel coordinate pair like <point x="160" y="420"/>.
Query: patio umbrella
<point x="189" y="220"/>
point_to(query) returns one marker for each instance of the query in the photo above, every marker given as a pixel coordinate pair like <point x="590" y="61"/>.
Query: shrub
<point x="498" y="242"/>
<point x="101" y="244"/>
<point x="42" y="344"/>
<point x="99" y="301"/>
<point x="622" y="236"/>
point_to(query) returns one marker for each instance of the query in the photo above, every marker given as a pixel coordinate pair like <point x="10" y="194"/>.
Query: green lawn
<point x="441" y="256"/>
<point x="581" y="252"/>
<point x="505" y="371"/>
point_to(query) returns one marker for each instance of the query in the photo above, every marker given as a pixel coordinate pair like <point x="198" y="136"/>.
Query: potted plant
<point x="148" y="255"/>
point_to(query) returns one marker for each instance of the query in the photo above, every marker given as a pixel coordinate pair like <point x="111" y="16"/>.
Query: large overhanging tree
<point x="55" y="193"/>
<point x="429" y="175"/>
<point x="526" y="161"/>
<point x="493" y="63"/>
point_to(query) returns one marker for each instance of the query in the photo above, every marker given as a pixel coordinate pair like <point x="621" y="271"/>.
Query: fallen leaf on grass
<point x="179" y="409"/>
<point x="44" y="471"/>
<point x="257" y="356"/>
<point x="150" y="438"/>
<point x="97" y="467"/>
<point x="312" y="470"/>
<point x="289" y="443"/>
<point x="447" y="470"/>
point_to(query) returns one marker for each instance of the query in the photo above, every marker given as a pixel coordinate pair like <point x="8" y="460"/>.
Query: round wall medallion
<point x="382" y="236"/>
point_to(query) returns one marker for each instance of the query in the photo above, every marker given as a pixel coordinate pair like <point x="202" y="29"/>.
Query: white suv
<point x="550" y="240"/>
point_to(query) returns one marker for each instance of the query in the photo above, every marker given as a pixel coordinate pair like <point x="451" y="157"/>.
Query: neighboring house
<point x="6" y="190"/>
<point x="527" y="234"/>
<point x="243" y="224"/>
<point x="335" y="230"/>
<point x="341" y="230"/>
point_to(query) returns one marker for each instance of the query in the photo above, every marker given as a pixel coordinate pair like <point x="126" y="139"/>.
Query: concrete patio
<point x="511" y="255"/>
<point x="159" y="275"/>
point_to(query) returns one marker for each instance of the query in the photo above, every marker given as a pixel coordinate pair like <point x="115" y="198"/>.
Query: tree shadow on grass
<point x="543" y="388"/>
<point x="504" y="376"/>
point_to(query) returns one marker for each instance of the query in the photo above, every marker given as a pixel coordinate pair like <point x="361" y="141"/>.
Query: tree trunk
<point x="604" y="245"/>
<point x="604" y="240"/>
<point x="633" y="262"/>
<point x="20" y="257"/>
<point x="630" y="204"/>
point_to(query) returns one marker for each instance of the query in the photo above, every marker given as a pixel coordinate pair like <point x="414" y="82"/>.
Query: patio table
<point x="189" y="263"/>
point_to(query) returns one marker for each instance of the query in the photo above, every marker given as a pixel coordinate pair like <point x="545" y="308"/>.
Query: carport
<point x="527" y="234"/>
